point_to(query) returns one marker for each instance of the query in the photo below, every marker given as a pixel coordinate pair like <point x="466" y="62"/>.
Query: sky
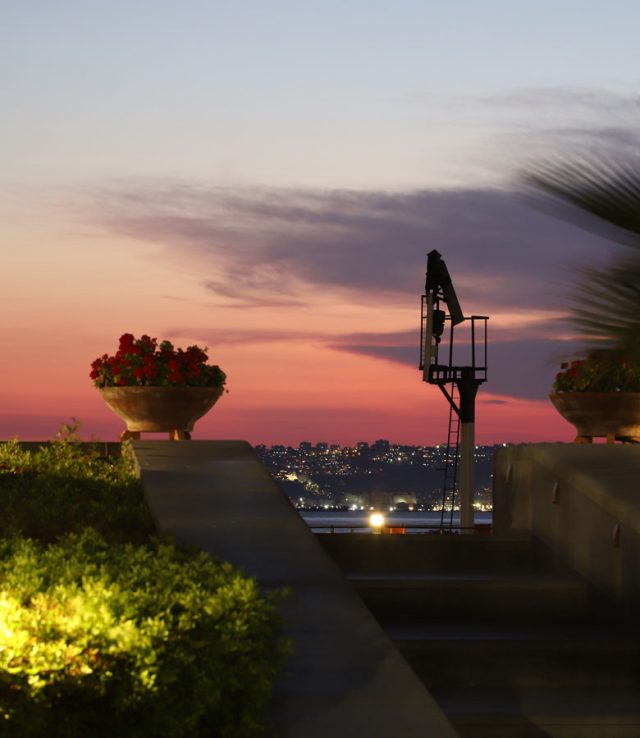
<point x="266" y="179"/>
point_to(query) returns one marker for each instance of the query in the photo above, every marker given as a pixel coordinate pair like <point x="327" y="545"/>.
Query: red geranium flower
<point x="143" y="362"/>
<point x="126" y="341"/>
<point x="603" y="370"/>
<point x="151" y="371"/>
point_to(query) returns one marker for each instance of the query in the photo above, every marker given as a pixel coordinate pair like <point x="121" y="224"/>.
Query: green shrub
<point x="106" y="632"/>
<point x="63" y="487"/>
<point x="100" y="639"/>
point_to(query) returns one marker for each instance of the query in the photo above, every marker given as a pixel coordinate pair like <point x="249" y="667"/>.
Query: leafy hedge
<point x="104" y="635"/>
<point x="65" y="487"/>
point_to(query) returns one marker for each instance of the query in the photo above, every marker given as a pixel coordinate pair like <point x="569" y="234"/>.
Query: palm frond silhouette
<point x="606" y="301"/>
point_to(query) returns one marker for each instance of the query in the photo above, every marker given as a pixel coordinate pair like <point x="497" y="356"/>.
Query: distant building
<point x="381" y="447"/>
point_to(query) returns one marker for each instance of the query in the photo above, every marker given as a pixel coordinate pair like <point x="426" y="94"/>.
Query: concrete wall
<point x="583" y="501"/>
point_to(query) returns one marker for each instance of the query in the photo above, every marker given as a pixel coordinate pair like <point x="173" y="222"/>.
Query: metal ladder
<point x="452" y="455"/>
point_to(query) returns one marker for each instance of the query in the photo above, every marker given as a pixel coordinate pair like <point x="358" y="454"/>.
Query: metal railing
<point x="411" y="529"/>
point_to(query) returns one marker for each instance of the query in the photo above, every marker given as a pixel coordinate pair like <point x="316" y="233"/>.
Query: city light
<point x="376" y="520"/>
<point x="370" y="477"/>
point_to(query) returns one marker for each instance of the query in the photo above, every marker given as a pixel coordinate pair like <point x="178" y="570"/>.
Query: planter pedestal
<point x="174" y="435"/>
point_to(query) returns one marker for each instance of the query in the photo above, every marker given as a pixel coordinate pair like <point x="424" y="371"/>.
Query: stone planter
<point x="614" y="415"/>
<point x="160" y="409"/>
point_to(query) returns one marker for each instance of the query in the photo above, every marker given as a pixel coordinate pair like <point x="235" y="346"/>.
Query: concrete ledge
<point x="346" y="678"/>
<point x="104" y="448"/>
<point x="583" y="501"/>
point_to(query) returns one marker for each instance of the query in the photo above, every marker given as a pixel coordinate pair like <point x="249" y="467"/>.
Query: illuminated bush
<point x="111" y="640"/>
<point x="105" y="632"/>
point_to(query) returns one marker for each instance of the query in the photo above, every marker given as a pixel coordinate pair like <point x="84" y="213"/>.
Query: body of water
<point x="358" y="521"/>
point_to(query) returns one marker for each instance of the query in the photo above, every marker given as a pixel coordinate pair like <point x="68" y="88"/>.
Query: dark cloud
<point x="582" y="138"/>
<point x="564" y="98"/>
<point x="254" y="290"/>
<point x="532" y="121"/>
<point x="264" y="246"/>
<point x="526" y="147"/>
<point x="518" y="367"/>
<point x="518" y="127"/>
<point x="522" y="362"/>
<point x="558" y="101"/>
<point x="247" y="337"/>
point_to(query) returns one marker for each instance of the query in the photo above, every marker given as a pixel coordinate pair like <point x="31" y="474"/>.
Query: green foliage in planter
<point x="100" y="639"/>
<point x="63" y="487"/>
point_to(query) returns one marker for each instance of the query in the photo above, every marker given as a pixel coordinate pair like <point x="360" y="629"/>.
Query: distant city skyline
<point x="266" y="180"/>
<point x="383" y="443"/>
<point x="381" y="474"/>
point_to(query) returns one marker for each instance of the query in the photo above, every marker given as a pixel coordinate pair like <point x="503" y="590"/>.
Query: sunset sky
<point x="266" y="179"/>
